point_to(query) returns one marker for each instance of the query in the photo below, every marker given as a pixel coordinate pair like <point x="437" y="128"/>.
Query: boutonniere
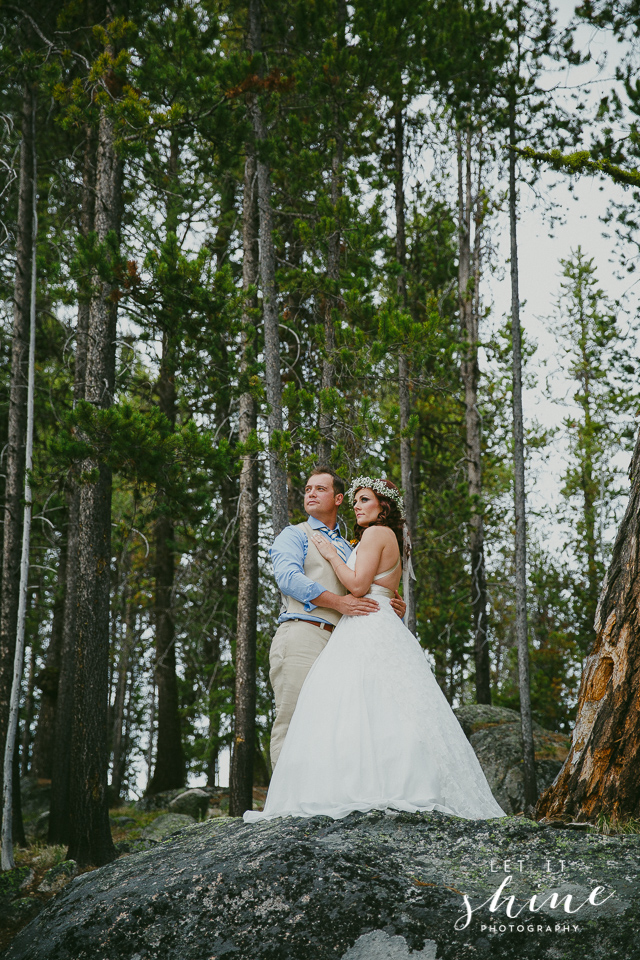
<point x="353" y="542"/>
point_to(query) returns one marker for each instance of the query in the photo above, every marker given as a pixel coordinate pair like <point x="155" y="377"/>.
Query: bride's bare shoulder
<point x="378" y="535"/>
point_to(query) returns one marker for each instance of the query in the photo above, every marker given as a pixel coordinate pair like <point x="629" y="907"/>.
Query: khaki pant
<point x="294" y="648"/>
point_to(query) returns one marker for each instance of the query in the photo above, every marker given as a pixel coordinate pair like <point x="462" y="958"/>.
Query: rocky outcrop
<point x="194" y="803"/>
<point x="376" y="886"/>
<point x="495" y="734"/>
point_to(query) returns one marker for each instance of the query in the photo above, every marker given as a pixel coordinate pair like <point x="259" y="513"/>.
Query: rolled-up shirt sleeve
<point x="288" y="556"/>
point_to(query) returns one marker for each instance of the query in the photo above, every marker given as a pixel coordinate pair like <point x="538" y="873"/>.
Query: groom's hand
<point x="352" y="606"/>
<point x="398" y="605"/>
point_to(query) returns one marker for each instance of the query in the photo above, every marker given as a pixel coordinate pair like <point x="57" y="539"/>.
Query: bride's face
<point x="366" y="507"/>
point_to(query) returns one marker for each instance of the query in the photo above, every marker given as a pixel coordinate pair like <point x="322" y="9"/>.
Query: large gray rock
<point x="496" y="737"/>
<point x="372" y="886"/>
<point x="194" y="803"/>
<point x="35" y="796"/>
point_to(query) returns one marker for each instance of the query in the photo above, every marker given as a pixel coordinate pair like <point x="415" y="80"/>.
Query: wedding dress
<point x="373" y="730"/>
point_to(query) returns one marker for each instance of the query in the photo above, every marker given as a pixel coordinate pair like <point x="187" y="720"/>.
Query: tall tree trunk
<point x="152" y="725"/>
<point x="27" y="718"/>
<point x="529" y="771"/>
<point x="468" y="277"/>
<point x="404" y="395"/>
<point x="601" y="774"/>
<point x="119" y="734"/>
<point x="17" y="427"/>
<point x="327" y="382"/>
<point x="47" y="679"/>
<point x="59" y="816"/>
<point x="169" y="772"/>
<point x="90" y="834"/>
<point x="589" y="484"/>
<point x="273" y="378"/>
<point x="241" y="776"/>
<point x="212" y="656"/>
<point x="10" y="797"/>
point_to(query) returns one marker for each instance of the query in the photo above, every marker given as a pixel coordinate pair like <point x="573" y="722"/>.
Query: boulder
<point x="55" y="878"/>
<point x="193" y="802"/>
<point x="165" y="825"/>
<point x="35" y="796"/>
<point x="496" y="737"/>
<point x="38" y="829"/>
<point x="375" y="886"/>
<point x="157" y="801"/>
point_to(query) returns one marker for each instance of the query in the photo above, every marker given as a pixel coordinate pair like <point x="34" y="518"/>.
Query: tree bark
<point x="59" y="816"/>
<point x="169" y="772"/>
<point x="11" y="796"/>
<point x="47" y="680"/>
<point x="404" y="394"/>
<point x="601" y="775"/>
<point x="325" y="422"/>
<point x="273" y="377"/>
<point x="17" y="422"/>
<point x="468" y="277"/>
<point x="119" y="734"/>
<point x="529" y="771"/>
<point x="241" y="776"/>
<point x="27" y="718"/>
<point x="90" y="834"/>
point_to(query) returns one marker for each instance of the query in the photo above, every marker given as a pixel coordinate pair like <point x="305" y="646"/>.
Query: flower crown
<point x="378" y="486"/>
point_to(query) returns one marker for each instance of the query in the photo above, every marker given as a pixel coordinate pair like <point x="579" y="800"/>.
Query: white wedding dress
<point x="373" y="730"/>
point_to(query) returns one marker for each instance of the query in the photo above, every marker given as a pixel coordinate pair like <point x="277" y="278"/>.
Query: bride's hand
<point x="324" y="546"/>
<point x="398" y="605"/>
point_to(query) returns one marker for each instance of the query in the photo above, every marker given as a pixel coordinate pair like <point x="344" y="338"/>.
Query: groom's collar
<point x="318" y="524"/>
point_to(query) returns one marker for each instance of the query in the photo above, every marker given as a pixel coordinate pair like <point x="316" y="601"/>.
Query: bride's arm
<point x="359" y="580"/>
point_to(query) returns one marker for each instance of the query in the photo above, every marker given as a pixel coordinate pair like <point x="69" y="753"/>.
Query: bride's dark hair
<point x="389" y="515"/>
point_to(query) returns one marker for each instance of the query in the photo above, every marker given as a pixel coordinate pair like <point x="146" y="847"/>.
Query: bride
<point x="372" y="729"/>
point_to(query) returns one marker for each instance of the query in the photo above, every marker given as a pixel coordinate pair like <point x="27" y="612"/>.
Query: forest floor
<point x="42" y="869"/>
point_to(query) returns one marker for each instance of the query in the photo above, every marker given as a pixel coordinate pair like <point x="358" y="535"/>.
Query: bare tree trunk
<point x="241" y="776"/>
<point x="119" y="735"/>
<point x="212" y="655"/>
<point x="47" y="680"/>
<point x="27" y="718"/>
<point x="14" y="458"/>
<point x="468" y="277"/>
<point x="601" y="774"/>
<point x="333" y="267"/>
<point x="11" y="740"/>
<point x="273" y="378"/>
<point x="90" y="834"/>
<point x="529" y="771"/>
<point x="404" y="395"/>
<point x="59" y="816"/>
<point x="152" y="722"/>
<point x="169" y="772"/>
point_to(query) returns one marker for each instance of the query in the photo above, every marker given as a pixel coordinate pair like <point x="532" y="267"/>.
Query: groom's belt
<point x="316" y="623"/>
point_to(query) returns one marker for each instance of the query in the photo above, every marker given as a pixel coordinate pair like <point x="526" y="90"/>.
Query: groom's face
<point x="319" y="496"/>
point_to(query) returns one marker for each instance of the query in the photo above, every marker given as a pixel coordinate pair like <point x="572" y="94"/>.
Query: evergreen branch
<point x="52" y="47"/>
<point x="581" y="162"/>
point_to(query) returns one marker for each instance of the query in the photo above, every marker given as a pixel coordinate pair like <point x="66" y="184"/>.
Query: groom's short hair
<point x="338" y="482"/>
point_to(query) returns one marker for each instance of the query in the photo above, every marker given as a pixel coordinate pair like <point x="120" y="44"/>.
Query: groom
<point x="313" y="599"/>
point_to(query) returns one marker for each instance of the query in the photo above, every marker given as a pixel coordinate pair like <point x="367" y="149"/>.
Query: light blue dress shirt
<point x="288" y="554"/>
